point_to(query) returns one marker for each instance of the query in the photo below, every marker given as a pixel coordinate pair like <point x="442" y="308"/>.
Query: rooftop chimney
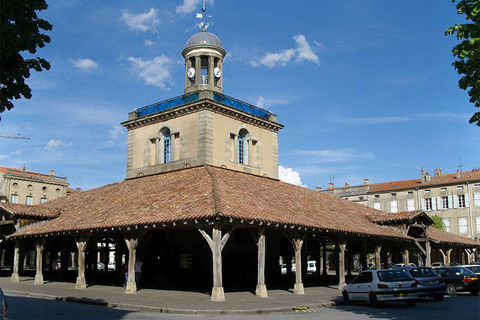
<point x="347" y="185"/>
<point x="366" y="181"/>
<point x="330" y="185"/>
<point x="435" y="172"/>
<point x="428" y="177"/>
<point x="459" y="174"/>
<point x="440" y="171"/>
<point x="51" y="173"/>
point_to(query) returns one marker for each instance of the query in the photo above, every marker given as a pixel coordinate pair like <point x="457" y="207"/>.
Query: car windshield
<point x="422" y="273"/>
<point x="393" y="275"/>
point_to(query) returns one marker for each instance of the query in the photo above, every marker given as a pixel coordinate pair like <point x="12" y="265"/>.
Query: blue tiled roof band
<point x="181" y="100"/>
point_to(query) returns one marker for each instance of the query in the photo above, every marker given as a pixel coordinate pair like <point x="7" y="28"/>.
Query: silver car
<point x="376" y="286"/>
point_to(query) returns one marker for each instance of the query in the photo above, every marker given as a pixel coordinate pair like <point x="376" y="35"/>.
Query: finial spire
<point x="203" y="25"/>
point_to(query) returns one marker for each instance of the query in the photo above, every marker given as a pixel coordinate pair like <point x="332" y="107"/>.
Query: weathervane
<point x="203" y="25"/>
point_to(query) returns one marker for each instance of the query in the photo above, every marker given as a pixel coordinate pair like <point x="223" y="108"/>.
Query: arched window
<point x="166" y="145"/>
<point x="242" y="146"/>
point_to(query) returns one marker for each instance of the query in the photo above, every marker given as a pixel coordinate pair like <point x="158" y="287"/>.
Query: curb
<point x="131" y="307"/>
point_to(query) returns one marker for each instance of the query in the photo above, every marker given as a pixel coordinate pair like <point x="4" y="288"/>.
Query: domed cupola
<point x="203" y="55"/>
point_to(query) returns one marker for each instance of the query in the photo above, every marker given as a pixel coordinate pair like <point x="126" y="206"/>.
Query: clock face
<point x="217" y="72"/>
<point x="191" y="73"/>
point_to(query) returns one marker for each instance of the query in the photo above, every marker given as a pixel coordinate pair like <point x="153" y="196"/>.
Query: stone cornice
<point x="196" y="106"/>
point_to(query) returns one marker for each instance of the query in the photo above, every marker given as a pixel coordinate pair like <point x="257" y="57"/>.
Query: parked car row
<point x="409" y="283"/>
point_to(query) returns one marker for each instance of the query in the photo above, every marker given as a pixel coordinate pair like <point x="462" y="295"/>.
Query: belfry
<point x="203" y="126"/>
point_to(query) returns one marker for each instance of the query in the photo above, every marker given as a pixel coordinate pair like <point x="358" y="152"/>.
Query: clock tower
<point x="203" y="126"/>
<point x="203" y="55"/>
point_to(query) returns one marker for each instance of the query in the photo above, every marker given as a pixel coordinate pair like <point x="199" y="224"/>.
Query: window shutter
<point x="467" y="200"/>
<point x="423" y="204"/>
<point x="450" y="202"/>
<point x="439" y="203"/>
<point x="434" y="204"/>
<point x="476" y="198"/>
<point x="455" y="201"/>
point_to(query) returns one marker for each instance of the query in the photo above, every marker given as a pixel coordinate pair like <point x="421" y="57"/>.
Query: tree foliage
<point x="467" y="51"/>
<point x="20" y="31"/>
<point x="439" y="224"/>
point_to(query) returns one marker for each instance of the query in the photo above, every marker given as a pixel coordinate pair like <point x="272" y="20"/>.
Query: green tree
<point x="20" y="32"/>
<point x="439" y="223"/>
<point x="468" y="51"/>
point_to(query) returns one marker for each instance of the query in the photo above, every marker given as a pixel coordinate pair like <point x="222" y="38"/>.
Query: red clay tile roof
<point x="442" y="179"/>
<point x="31" y="174"/>
<point x="450" y="238"/>
<point x="28" y="211"/>
<point x="406" y="216"/>
<point x="205" y="193"/>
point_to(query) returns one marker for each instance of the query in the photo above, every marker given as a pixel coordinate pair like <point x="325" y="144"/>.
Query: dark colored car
<point x="473" y="267"/>
<point x="459" y="279"/>
<point x="3" y="306"/>
<point x="429" y="283"/>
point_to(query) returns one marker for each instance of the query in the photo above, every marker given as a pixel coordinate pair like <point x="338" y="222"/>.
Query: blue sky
<point x="365" y="89"/>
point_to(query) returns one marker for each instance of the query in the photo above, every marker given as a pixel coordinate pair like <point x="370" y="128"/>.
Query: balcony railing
<point x="181" y="100"/>
<point x="166" y="104"/>
<point x="242" y="106"/>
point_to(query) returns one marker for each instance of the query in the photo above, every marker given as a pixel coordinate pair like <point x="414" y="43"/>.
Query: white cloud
<point x="291" y="176"/>
<point x="302" y="52"/>
<point x="154" y="72"/>
<point x="148" y="43"/>
<point x="84" y="64"/>
<point x="53" y="144"/>
<point x="189" y="6"/>
<point x="339" y="155"/>
<point x="146" y="21"/>
<point x="116" y="132"/>
<point x="273" y="59"/>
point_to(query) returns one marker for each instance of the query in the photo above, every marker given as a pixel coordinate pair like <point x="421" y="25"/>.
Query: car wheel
<point x="346" y="298"/>
<point x="438" y="297"/>
<point x="373" y="300"/>
<point x="474" y="292"/>
<point x="451" y="291"/>
<point x="411" y="303"/>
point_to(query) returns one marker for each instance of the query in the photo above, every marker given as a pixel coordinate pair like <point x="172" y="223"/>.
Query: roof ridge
<point x="217" y="203"/>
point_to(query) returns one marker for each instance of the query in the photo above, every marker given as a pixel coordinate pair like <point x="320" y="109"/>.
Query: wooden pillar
<point x="297" y="242"/>
<point x="324" y="257"/>
<point x="428" y="254"/>
<point x="39" y="246"/>
<point x="81" y="243"/>
<point x="216" y="243"/>
<point x="446" y="256"/>
<point x="132" y="240"/>
<point x="16" y="260"/>
<point x="378" y="250"/>
<point x="363" y="256"/>
<point x="406" y="257"/>
<point x="261" y="290"/>
<point x="342" y="245"/>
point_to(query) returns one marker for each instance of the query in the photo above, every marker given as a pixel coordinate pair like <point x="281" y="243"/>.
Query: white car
<point x="376" y="286"/>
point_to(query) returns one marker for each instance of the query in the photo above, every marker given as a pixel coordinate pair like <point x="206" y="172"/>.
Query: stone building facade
<point x="455" y="197"/>
<point x="28" y="187"/>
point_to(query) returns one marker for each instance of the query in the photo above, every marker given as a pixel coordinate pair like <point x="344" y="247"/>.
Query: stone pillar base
<point x="298" y="288"/>
<point x="218" y="294"/>
<point x="131" y="287"/>
<point x="341" y="285"/>
<point x="261" y="291"/>
<point x="38" y="279"/>
<point x="81" y="283"/>
<point x="15" y="278"/>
